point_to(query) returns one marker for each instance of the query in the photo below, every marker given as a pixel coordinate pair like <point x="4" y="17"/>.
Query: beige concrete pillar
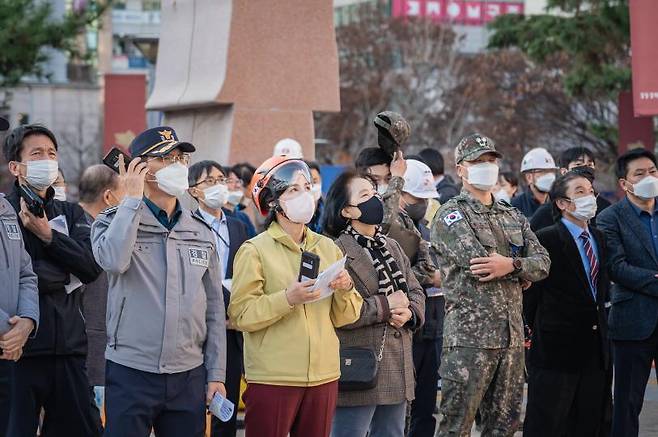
<point x="235" y="76"/>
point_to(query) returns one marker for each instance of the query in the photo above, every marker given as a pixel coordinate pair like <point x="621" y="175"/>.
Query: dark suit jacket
<point x="569" y="326"/>
<point x="632" y="265"/>
<point x="447" y="189"/>
<point x="543" y="217"/>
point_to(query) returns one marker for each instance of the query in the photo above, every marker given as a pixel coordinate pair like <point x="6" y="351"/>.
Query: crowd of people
<point x="172" y="281"/>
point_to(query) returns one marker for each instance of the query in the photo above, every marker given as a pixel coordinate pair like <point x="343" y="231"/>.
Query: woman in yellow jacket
<point x="291" y="352"/>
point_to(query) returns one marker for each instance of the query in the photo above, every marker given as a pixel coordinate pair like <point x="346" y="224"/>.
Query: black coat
<point x="447" y="189"/>
<point x="61" y="327"/>
<point x="569" y="326"/>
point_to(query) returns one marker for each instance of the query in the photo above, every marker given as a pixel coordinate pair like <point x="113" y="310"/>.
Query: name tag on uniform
<point x="199" y="257"/>
<point x="13" y="232"/>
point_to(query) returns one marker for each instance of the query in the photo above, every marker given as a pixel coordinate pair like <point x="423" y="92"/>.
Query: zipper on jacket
<point x="116" y="330"/>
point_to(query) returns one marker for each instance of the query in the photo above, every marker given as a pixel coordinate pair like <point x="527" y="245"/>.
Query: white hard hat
<point x="418" y="180"/>
<point x="538" y="159"/>
<point x="289" y="148"/>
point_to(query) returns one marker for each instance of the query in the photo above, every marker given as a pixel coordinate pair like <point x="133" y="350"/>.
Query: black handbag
<point x="359" y="367"/>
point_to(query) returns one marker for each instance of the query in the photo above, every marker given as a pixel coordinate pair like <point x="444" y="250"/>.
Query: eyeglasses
<point x="235" y="181"/>
<point x="172" y="159"/>
<point x="213" y="181"/>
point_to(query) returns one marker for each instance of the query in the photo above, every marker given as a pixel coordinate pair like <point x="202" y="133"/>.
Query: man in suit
<point x="208" y="185"/>
<point x="631" y="230"/>
<point x="578" y="159"/>
<point x="569" y="355"/>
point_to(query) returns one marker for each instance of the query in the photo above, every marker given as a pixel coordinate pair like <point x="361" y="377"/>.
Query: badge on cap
<point x="453" y="217"/>
<point x="13" y="232"/>
<point x="199" y="257"/>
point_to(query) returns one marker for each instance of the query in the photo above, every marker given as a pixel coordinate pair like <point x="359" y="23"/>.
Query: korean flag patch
<point x="199" y="257"/>
<point x="13" y="232"/>
<point x="453" y="217"/>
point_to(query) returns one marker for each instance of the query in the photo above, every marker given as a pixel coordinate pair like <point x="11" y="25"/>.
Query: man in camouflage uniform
<point x="388" y="174"/>
<point x="487" y="255"/>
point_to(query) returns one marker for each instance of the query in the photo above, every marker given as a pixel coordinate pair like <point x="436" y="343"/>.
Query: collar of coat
<point x="311" y="239"/>
<point x="478" y="207"/>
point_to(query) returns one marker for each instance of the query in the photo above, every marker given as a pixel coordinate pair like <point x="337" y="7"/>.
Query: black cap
<point x="158" y="141"/>
<point x="4" y="124"/>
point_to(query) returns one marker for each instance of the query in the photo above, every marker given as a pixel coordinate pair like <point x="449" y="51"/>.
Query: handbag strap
<point x="381" y="348"/>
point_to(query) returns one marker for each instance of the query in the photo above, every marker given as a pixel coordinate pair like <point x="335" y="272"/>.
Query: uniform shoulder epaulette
<point x="110" y="210"/>
<point x="505" y="203"/>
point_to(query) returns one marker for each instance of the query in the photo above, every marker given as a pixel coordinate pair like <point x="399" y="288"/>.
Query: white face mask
<point x="60" y="193"/>
<point x="502" y="195"/>
<point x="235" y="197"/>
<point x="483" y="176"/>
<point x="544" y="183"/>
<point x="41" y="174"/>
<point x="173" y="179"/>
<point x="299" y="209"/>
<point x="316" y="191"/>
<point x="647" y="188"/>
<point x="215" y="196"/>
<point x="382" y="189"/>
<point x="585" y="207"/>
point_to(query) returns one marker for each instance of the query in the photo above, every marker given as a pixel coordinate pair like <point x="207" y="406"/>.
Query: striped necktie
<point x="593" y="263"/>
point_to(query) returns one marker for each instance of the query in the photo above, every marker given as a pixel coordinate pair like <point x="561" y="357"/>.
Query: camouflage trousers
<point x="488" y="379"/>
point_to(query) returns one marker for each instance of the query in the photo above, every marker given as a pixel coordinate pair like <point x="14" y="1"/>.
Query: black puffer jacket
<point x="62" y="326"/>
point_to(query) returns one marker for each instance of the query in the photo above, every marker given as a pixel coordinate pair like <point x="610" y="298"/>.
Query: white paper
<point x="60" y="225"/>
<point x="221" y="407"/>
<point x="327" y="277"/>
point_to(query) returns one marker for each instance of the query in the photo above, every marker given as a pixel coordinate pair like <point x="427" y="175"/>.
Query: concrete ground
<point x="648" y="419"/>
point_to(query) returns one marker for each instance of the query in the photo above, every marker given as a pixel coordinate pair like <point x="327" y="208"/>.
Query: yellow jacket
<point x="284" y="345"/>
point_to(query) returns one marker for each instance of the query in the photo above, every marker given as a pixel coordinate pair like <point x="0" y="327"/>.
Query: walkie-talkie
<point x="32" y="200"/>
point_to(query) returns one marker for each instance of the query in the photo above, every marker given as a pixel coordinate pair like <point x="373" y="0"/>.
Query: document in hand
<point x="327" y="277"/>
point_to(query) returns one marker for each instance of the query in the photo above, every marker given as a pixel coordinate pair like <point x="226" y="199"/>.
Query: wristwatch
<point x="518" y="265"/>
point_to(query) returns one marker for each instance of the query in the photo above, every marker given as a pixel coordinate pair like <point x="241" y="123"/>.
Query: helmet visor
<point x="287" y="173"/>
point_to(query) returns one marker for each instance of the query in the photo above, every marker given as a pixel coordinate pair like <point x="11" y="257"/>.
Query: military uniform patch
<point x="453" y="217"/>
<point x="199" y="257"/>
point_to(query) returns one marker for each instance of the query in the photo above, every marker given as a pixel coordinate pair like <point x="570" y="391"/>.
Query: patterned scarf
<point x="391" y="278"/>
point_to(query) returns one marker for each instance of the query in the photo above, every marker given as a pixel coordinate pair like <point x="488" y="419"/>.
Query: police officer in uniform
<point x="487" y="255"/>
<point x="166" y="351"/>
<point x="19" y="299"/>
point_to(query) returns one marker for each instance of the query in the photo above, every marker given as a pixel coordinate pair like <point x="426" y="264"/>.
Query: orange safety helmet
<point x="272" y="178"/>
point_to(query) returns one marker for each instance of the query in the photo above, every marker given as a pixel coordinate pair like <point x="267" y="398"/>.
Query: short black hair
<point x="13" y="144"/>
<point x="371" y="156"/>
<point x="94" y="181"/>
<point x="337" y="198"/>
<point x="434" y="161"/>
<point x="312" y="165"/>
<point x="572" y="154"/>
<point x="510" y="177"/>
<point x="621" y="169"/>
<point x="244" y="171"/>
<point x="560" y="187"/>
<point x="196" y="170"/>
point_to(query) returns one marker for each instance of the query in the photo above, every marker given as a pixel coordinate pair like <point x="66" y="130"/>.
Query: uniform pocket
<point x="115" y="335"/>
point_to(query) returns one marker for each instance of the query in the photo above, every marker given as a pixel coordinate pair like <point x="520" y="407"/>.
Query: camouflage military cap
<point x="393" y="123"/>
<point x="474" y="146"/>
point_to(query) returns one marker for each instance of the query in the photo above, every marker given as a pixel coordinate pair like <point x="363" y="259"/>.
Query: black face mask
<point x="417" y="211"/>
<point x="372" y="211"/>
